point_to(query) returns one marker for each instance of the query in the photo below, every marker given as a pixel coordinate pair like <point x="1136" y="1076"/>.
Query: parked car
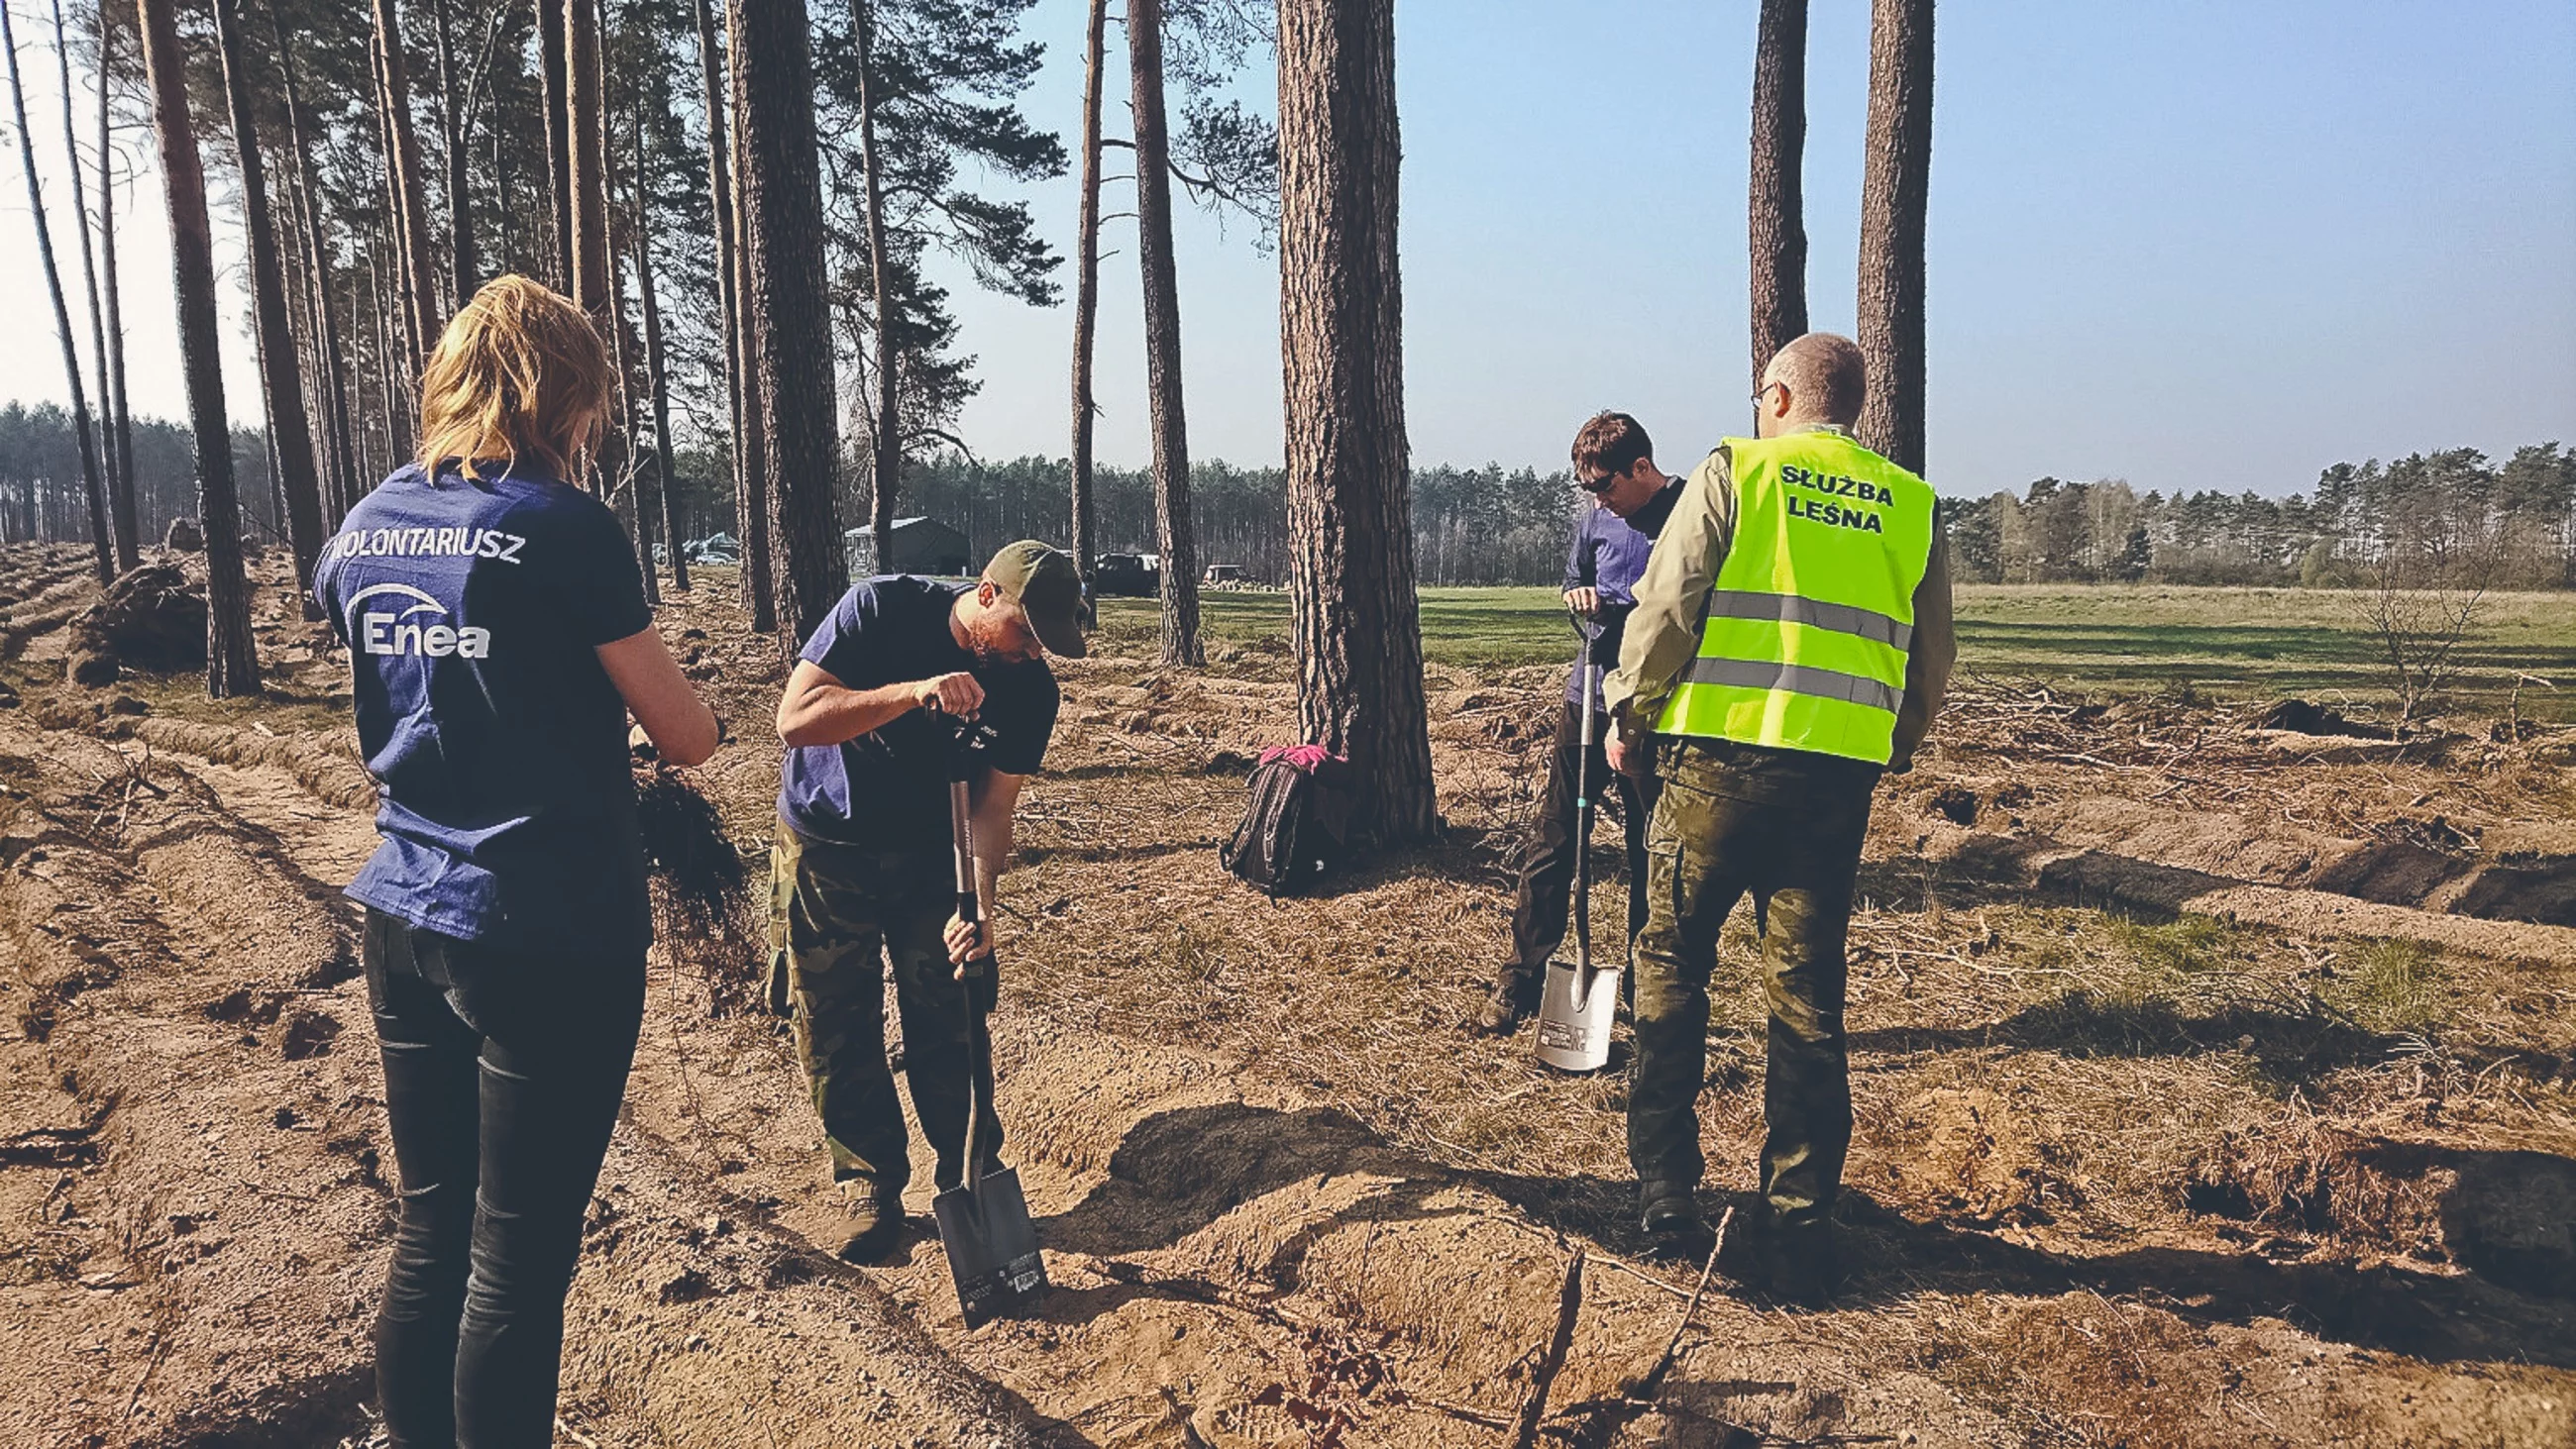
<point x="1126" y="575"/>
<point x="1225" y="576"/>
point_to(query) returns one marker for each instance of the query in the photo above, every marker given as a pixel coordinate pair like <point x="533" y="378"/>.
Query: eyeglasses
<point x="1598" y="486"/>
<point x="1766" y="392"/>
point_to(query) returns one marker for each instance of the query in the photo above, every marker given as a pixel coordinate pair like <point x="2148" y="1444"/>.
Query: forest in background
<point x="1497" y="525"/>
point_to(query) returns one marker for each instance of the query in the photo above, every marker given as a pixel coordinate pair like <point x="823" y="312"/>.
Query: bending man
<point x="862" y="875"/>
<point x="1791" y="642"/>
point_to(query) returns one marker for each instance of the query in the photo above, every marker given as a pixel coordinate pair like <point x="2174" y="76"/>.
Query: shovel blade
<point x="1574" y="1016"/>
<point x="992" y="1247"/>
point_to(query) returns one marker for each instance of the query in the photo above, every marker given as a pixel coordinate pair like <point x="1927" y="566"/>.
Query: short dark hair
<point x="1610" y="443"/>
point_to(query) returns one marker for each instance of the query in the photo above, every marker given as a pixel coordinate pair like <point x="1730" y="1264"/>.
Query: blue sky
<point x="2193" y="245"/>
<point x="2189" y="244"/>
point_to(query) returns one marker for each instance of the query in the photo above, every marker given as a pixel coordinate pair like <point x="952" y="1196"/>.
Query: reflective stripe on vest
<point x="1804" y="639"/>
<point x="1790" y="609"/>
<point x="1796" y="679"/>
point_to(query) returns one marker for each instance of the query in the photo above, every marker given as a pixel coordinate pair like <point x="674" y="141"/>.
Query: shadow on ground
<point x="1177" y="1172"/>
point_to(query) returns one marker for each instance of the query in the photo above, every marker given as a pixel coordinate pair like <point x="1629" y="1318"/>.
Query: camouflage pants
<point x="838" y="915"/>
<point x="1720" y="832"/>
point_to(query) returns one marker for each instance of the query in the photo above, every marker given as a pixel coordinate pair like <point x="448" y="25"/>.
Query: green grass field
<point x="2226" y="642"/>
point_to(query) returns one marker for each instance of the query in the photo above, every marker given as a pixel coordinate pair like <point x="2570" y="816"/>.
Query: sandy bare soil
<point x="2215" y="1088"/>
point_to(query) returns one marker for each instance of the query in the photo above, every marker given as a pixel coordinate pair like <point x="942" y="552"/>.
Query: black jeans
<point x="503" y="1075"/>
<point x="1547" y="870"/>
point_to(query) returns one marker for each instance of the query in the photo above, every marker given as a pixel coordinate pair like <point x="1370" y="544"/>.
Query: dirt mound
<point x="152" y="620"/>
<point x="1979" y="1156"/>
<point x="2299" y="1175"/>
<point x="2508" y="1216"/>
<point x="2299" y="716"/>
<point x="329" y="774"/>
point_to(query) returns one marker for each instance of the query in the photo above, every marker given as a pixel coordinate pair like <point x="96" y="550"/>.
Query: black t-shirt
<point x="889" y="788"/>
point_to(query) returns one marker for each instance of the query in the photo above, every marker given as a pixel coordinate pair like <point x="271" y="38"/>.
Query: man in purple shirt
<point x="1614" y="463"/>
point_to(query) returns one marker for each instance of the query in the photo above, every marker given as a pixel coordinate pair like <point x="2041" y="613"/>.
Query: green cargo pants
<point x="1787" y="830"/>
<point x="838" y="914"/>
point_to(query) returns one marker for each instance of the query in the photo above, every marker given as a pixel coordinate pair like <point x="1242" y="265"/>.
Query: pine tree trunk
<point x="232" y="661"/>
<point x="585" y="122"/>
<point x="1896" y="186"/>
<point x="594" y="282"/>
<point x="290" y="435"/>
<point x="550" y="61"/>
<point x="1354" y="620"/>
<point x="783" y="235"/>
<point x="406" y="318"/>
<point x="106" y="434"/>
<point x="463" y="269"/>
<point x="1169" y="418"/>
<point x="1086" y="289"/>
<point x="1777" y="206"/>
<point x="94" y="482"/>
<point x="330" y="385"/>
<point x="634" y="505"/>
<point x="752" y="490"/>
<point x="654" y="370"/>
<point x="750" y="494"/>
<point x="886" y="452"/>
<point x="402" y="161"/>
<point x="120" y="473"/>
<point x="382" y="312"/>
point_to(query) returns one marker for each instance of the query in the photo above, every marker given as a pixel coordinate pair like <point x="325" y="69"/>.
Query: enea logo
<point x="379" y="633"/>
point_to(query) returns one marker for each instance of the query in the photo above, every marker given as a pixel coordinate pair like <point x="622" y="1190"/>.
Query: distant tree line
<point x="41" y="486"/>
<point x="1488" y="525"/>
<point x="2433" y="515"/>
<point x="2432" y="512"/>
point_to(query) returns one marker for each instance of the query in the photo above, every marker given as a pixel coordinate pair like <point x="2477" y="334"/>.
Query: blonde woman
<point x="499" y="638"/>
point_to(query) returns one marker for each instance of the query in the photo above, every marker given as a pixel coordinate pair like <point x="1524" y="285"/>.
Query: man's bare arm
<point x="818" y="709"/>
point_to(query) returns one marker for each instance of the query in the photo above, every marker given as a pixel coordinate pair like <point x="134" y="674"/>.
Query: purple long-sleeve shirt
<point x="1609" y="555"/>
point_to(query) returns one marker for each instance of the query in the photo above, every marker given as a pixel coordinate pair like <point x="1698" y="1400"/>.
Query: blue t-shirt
<point x="889" y="789"/>
<point x="471" y="611"/>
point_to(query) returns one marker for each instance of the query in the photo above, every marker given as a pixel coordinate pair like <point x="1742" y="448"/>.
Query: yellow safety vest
<point x="1804" y="640"/>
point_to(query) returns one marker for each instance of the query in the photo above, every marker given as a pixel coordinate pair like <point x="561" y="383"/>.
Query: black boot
<point x="1805" y="1265"/>
<point x="1669" y="1212"/>
<point x="874" y="1227"/>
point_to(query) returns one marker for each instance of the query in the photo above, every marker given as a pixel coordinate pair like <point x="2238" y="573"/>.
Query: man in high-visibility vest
<point x="1790" y="643"/>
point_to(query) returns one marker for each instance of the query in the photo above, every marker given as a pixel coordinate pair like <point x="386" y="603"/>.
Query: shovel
<point x="1580" y="1000"/>
<point x="984" y="1221"/>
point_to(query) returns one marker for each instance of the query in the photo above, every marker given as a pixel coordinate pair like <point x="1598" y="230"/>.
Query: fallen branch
<point x="160" y="1350"/>
<point x="1653" y="1383"/>
<point x="1569" y="1304"/>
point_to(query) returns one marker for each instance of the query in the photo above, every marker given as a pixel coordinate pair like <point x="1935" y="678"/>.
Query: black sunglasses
<point x="1598" y="486"/>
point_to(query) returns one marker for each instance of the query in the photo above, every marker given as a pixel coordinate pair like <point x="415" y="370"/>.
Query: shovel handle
<point x="1583" y="819"/>
<point x="961" y="833"/>
<point x="979" y="1046"/>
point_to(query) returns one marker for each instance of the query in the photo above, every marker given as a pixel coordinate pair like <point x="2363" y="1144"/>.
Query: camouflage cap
<point x="1045" y="584"/>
